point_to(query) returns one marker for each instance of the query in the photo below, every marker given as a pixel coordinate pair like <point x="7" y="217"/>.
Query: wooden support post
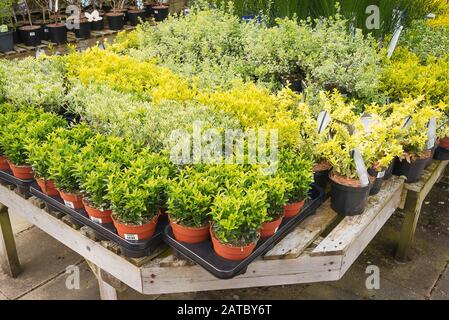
<point x="107" y="292"/>
<point x="8" y="251"/>
<point x="412" y="211"/>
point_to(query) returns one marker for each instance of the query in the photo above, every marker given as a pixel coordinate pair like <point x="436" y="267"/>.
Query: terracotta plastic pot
<point x="188" y="234"/>
<point x="4" y="165"/>
<point x="293" y="209"/>
<point x="444" y="143"/>
<point x="136" y="232"/>
<point x="48" y="187"/>
<point x="71" y="200"/>
<point x="96" y="215"/>
<point x="229" y="252"/>
<point x="21" y="172"/>
<point x="270" y="228"/>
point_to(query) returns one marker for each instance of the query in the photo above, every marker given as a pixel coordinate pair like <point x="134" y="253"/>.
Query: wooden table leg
<point x="8" y="251"/>
<point x="107" y="292"/>
<point x="412" y="210"/>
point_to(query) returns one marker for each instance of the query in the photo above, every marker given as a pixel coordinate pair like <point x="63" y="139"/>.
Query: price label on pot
<point x="69" y="204"/>
<point x="131" y="236"/>
<point x="46" y="30"/>
<point x="156" y="11"/>
<point x="96" y="220"/>
<point x="32" y="34"/>
<point x="431" y="133"/>
<point x="361" y="168"/>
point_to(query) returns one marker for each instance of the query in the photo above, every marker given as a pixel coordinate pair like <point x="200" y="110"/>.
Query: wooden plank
<point x="299" y="239"/>
<point x="176" y="279"/>
<point x="107" y="292"/>
<point x="8" y="252"/>
<point x="90" y="250"/>
<point x="19" y="49"/>
<point x="351" y="228"/>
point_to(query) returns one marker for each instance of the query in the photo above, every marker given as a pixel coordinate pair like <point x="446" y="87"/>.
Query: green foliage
<point x="238" y="214"/>
<point x="138" y="193"/>
<point x="425" y="40"/>
<point x="33" y="82"/>
<point x="29" y="127"/>
<point x="6" y="13"/>
<point x="296" y="169"/>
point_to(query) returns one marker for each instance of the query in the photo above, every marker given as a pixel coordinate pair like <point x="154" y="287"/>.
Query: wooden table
<point x="322" y="248"/>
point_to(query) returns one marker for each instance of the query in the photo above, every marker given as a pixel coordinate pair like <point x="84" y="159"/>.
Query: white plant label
<point x="156" y="11"/>
<point x="407" y="123"/>
<point x="96" y="220"/>
<point x="431" y="133"/>
<point x="394" y="41"/>
<point x="131" y="236"/>
<point x="367" y="122"/>
<point x="380" y="175"/>
<point x="69" y="204"/>
<point x="323" y="121"/>
<point x="361" y="168"/>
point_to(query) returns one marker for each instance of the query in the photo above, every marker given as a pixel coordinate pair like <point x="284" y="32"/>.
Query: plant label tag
<point x="96" y="220"/>
<point x="394" y="41"/>
<point x="304" y="93"/>
<point x="32" y="34"/>
<point x="407" y="123"/>
<point x="323" y="121"/>
<point x="131" y="236"/>
<point x="46" y="30"/>
<point x="39" y="52"/>
<point x="380" y="175"/>
<point x="361" y="168"/>
<point x="156" y="11"/>
<point x="431" y="133"/>
<point x="69" y="204"/>
<point x="101" y="46"/>
<point x="367" y="122"/>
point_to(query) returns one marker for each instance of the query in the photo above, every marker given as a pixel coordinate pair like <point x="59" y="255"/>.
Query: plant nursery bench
<point x="321" y="248"/>
<point x="413" y="197"/>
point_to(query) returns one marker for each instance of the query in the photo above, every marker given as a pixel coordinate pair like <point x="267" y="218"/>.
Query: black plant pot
<point x="149" y="11"/>
<point x="348" y="201"/>
<point x="116" y="22"/>
<point x="44" y="33"/>
<point x="321" y="179"/>
<point x="97" y="25"/>
<point x="58" y="33"/>
<point x="376" y="184"/>
<point x="389" y="171"/>
<point x="441" y="154"/>
<point x="7" y="41"/>
<point x="30" y="35"/>
<point x="135" y="17"/>
<point x="160" y="13"/>
<point x="83" y="32"/>
<point x="412" y="171"/>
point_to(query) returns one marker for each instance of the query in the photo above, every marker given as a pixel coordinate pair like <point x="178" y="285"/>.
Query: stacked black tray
<point x="6" y="177"/>
<point x="129" y="248"/>
<point x="204" y="255"/>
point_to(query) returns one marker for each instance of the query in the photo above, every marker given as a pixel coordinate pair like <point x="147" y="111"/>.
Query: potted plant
<point x="80" y="24"/>
<point x="349" y="193"/>
<point x="7" y="112"/>
<point x="160" y="10"/>
<point x="136" y="13"/>
<point x="238" y="215"/>
<point x="297" y="171"/>
<point x="96" y="16"/>
<point x="6" y="32"/>
<point x="30" y="33"/>
<point x="189" y="203"/>
<point x="31" y="126"/>
<point x="116" y="17"/>
<point x="57" y="28"/>
<point x="276" y="190"/>
<point x="138" y="194"/>
<point x="414" y="138"/>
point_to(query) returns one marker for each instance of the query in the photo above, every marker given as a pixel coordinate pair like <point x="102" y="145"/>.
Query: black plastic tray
<point x="129" y="248"/>
<point x="204" y="255"/>
<point x="23" y="185"/>
<point x="441" y="154"/>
